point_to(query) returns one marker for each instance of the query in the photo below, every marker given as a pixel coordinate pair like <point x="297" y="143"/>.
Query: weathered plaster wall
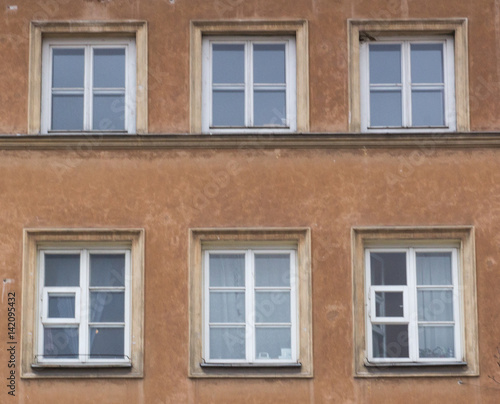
<point x="167" y="192"/>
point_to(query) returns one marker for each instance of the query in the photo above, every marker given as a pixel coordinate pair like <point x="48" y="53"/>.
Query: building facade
<point x="250" y="201"/>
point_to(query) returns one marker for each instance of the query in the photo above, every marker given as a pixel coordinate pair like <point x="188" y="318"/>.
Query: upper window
<point x="250" y="303"/>
<point x="88" y="85"/>
<point x="249" y="84"/>
<point x="408" y="76"/>
<point x="249" y="77"/>
<point x="88" y="76"/>
<point x="407" y="84"/>
<point x="415" y="301"/>
<point x="83" y="303"/>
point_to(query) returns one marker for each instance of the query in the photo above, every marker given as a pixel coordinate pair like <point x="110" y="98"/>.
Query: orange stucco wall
<point x="330" y="190"/>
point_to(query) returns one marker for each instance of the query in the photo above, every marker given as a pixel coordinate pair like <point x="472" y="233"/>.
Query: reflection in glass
<point x="271" y="342"/>
<point x="67" y="111"/>
<point x="385" y="108"/>
<point x="109" y="112"/>
<point x="427" y="107"/>
<point x="269" y="108"/>
<point x="272" y="307"/>
<point x="62" y="270"/>
<point x="390" y="340"/>
<point x="272" y="270"/>
<point x="388" y="268"/>
<point x="107" y="342"/>
<point x="227" y="270"/>
<point x="228" y="108"/>
<point x="385" y="64"/>
<point x="227" y="307"/>
<point x="68" y="67"/>
<point x="269" y="63"/>
<point x="427" y="63"/>
<point x="227" y="343"/>
<point x="60" y="342"/>
<point x="61" y="306"/>
<point x="436" y="341"/>
<point x="107" y="269"/>
<point x="228" y="63"/>
<point x="109" y="68"/>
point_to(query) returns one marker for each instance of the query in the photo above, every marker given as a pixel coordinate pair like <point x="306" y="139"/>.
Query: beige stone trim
<point x="296" y="28"/>
<point x="35" y="238"/>
<point x="454" y="26"/>
<point x="463" y="238"/>
<point x="298" y="237"/>
<point x="41" y="29"/>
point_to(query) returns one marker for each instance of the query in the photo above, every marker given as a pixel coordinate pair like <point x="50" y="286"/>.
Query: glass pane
<point x="269" y="63"/>
<point x="388" y="268"/>
<point x="390" y="340"/>
<point x="434" y="268"/>
<point x="385" y="64"/>
<point x="67" y="112"/>
<point x="109" y="67"/>
<point x="427" y="107"/>
<point x="272" y="270"/>
<point x="228" y="108"/>
<point x="227" y="307"/>
<point x="227" y="343"/>
<point x="389" y="304"/>
<point x="62" y="270"/>
<point x="435" y="305"/>
<point x="60" y="342"/>
<point x="269" y="108"/>
<point x="427" y="63"/>
<point x="107" y="269"/>
<point x="273" y="343"/>
<point x="436" y="342"/>
<point x="385" y="108"/>
<point x="109" y="112"/>
<point x="107" y="342"/>
<point x="227" y="269"/>
<point x="272" y="307"/>
<point x="61" y="306"/>
<point x="68" y="68"/>
<point x="228" y="63"/>
<point x="107" y="307"/>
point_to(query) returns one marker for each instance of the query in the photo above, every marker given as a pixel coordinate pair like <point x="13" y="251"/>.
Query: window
<point x="83" y="308"/>
<point x="413" y="307"/>
<point x="88" y="77"/>
<point x="249" y="83"/>
<point x="88" y="85"/>
<point x="250" y="306"/>
<point x="249" y="77"/>
<point x="407" y="84"/>
<point x="250" y="303"/>
<point x="417" y="314"/>
<point x="408" y="75"/>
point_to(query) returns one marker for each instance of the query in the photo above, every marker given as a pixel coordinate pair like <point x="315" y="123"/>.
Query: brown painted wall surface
<point x="167" y="192"/>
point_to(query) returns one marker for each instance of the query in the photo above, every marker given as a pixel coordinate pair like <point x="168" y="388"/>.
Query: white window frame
<point x="449" y="84"/>
<point x="249" y="288"/>
<point x="88" y="44"/>
<point x="291" y="84"/>
<point x="82" y="307"/>
<point x="411" y="308"/>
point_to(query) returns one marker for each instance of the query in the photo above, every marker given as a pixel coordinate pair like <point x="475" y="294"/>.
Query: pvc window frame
<point x="249" y="289"/>
<point x="88" y="91"/>
<point x="290" y="120"/>
<point x="407" y="86"/>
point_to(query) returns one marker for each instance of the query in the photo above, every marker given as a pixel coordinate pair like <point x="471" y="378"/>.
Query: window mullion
<point x="413" y="306"/>
<point x="406" y="84"/>
<point x="249" y="306"/>
<point x="249" y="87"/>
<point x="88" y="86"/>
<point x="84" y="308"/>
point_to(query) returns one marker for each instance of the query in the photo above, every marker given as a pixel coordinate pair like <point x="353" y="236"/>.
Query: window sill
<point x="40" y="366"/>
<point x="412" y="364"/>
<point x="251" y="365"/>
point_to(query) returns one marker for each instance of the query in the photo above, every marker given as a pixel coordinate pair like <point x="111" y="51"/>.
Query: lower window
<point x="250" y="306"/>
<point x="84" y="306"/>
<point x="413" y="305"/>
<point x="83" y="303"/>
<point x="415" y="311"/>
